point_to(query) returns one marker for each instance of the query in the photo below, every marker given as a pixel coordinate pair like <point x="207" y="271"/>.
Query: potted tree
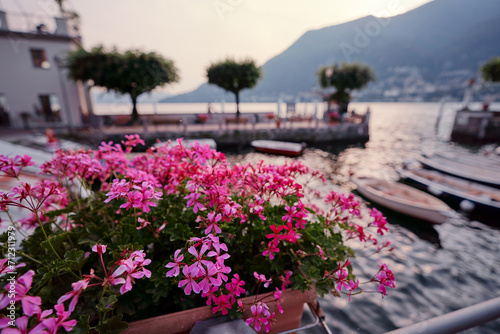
<point x="344" y="79"/>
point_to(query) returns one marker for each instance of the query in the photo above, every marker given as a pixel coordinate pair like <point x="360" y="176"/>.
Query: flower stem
<point x="46" y="237"/>
<point x="29" y="257"/>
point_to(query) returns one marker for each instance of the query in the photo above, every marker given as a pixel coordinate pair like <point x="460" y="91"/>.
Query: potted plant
<point x="201" y="118"/>
<point x="333" y="116"/>
<point x="107" y="241"/>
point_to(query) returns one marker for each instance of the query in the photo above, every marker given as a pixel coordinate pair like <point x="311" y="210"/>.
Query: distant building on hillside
<point x="35" y="91"/>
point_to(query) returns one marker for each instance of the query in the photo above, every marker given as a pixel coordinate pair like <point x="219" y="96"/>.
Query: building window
<point x="39" y="58"/>
<point x="51" y="108"/>
<point x="4" y="111"/>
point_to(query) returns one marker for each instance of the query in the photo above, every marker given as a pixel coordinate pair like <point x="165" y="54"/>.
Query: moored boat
<point x="404" y="199"/>
<point x="484" y="161"/>
<point x="478" y="201"/>
<point x="278" y="147"/>
<point x="476" y="173"/>
<point x="190" y="142"/>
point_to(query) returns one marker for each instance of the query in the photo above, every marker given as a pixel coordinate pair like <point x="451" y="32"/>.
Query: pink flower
<point x="22" y="327"/>
<point x="30" y="304"/>
<point x="286" y="279"/>
<point x="78" y="288"/>
<point x="53" y="324"/>
<point x="12" y="166"/>
<point x="262" y="279"/>
<point x="260" y="316"/>
<point x="385" y="278"/>
<point x="5" y="267"/>
<point x="352" y="286"/>
<point x="99" y="249"/>
<point x="193" y="200"/>
<point x="277" y="296"/>
<point x="210" y="277"/>
<point x="380" y="221"/>
<point x="276" y="233"/>
<point x="321" y="253"/>
<point x="271" y="249"/>
<point x="290" y="215"/>
<point x="133" y="268"/>
<point x="222" y="303"/>
<point x="199" y="258"/>
<point x="132" y="141"/>
<point x="341" y="279"/>
<point x="174" y="272"/>
<point x="213" y="219"/>
<point x="235" y="287"/>
<point x="189" y="280"/>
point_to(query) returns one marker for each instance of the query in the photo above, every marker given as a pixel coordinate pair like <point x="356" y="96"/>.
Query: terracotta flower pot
<point x="182" y="322"/>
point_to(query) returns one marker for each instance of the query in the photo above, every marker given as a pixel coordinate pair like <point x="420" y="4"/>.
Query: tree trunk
<point x="343" y="107"/>
<point x="237" y="105"/>
<point x="135" y="113"/>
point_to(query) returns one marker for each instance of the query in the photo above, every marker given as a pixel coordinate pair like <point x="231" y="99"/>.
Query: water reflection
<point x="439" y="268"/>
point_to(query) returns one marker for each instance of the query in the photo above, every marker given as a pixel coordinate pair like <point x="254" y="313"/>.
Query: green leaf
<point x="106" y="303"/>
<point x="112" y="325"/>
<point x="55" y="240"/>
<point x="82" y="326"/>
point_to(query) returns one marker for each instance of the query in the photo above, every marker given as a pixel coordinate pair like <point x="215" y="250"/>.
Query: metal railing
<point x="456" y="321"/>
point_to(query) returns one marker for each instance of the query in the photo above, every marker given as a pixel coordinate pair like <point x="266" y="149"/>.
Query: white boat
<point x="478" y="201"/>
<point x="484" y="161"/>
<point x="404" y="199"/>
<point x="278" y="147"/>
<point x="189" y="143"/>
<point x="476" y="173"/>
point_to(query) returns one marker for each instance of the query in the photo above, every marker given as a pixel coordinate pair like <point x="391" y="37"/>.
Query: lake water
<point x="438" y="269"/>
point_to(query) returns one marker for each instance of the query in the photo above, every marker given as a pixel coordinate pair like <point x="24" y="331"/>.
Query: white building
<point x="34" y="87"/>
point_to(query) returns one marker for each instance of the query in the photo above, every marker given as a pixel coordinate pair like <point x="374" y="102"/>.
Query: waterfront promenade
<point x="229" y="131"/>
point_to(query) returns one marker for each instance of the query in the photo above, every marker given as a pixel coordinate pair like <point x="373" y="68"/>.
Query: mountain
<point x="431" y="50"/>
<point x="114" y="97"/>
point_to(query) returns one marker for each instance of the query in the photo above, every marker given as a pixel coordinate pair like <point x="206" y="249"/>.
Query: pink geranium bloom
<point x="259" y="317"/>
<point x="262" y="279"/>
<point x="78" y="288"/>
<point x="210" y="277"/>
<point x="271" y="249"/>
<point x="189" y="280"/>
<point x="341" y="278"/>
<point x="22" y="327"/>
<point x="99" y="249"/>
<point x="213" y="220"/>
<point x="223" y="304"/>
<point x="30" y="304"/>
<point x="53" y="324"/>
<point x="174" y="272"/>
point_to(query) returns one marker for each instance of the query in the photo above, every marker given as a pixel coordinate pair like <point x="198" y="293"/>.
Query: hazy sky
<point x="195" y="33"/>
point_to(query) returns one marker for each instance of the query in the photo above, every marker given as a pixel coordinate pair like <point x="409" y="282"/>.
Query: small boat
<point x="404" y="199"/>
<point x="478" y="201"/>
<point x="475" y="173"/>
<point x="278" y="147"/>
<point x="484" y="161"/>
<point x="189" y="143"/>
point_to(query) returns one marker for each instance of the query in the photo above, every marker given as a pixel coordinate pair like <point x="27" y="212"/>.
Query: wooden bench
<point x="236" y="120"/>
<point x="167" y="121"/>
<point x="300" y="119"/>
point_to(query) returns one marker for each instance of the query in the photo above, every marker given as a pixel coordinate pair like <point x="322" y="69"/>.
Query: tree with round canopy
<point x="491" y="70"/>
<point x="132" y="72"/>
<point x="345" y="79"/>
<point x="234" y="76"/>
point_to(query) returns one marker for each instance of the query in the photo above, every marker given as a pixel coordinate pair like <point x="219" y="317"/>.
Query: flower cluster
<point x="113" y="239"/>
